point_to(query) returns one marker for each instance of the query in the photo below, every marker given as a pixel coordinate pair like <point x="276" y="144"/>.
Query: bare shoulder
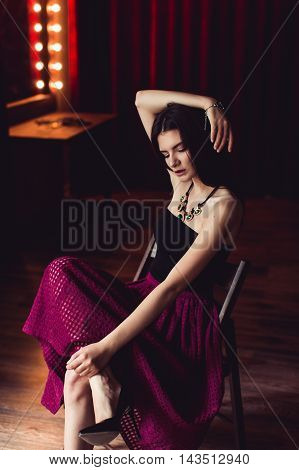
<point x="223" y="208"/>
<point x="224" y="192"/>
<point x="226" y="197"/>
<point x="228" y="206"/>
<point x="227" y="201"/>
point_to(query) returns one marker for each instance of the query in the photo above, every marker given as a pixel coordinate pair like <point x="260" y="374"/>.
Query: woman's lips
<point x="180" y="172"/>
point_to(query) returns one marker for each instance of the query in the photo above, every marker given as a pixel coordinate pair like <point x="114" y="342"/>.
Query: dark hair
<point x="214" y="169"/>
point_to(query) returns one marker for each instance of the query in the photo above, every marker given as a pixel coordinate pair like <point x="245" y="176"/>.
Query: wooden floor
<point x="266" y="319"/>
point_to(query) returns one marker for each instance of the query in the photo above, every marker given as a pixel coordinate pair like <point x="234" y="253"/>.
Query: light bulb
<point x="58" y="84"/>
<point x="55" y="65"/>
<point x="40" y="84"/>
<point x="39" y="65"/>
<point x="55" y="7"/>
<point x="56" y="46"/>
<point x="38" y="46"/>
<point x="56" y="28"/>
<point x="38" y="27"/>
<point x="37" y="7"/>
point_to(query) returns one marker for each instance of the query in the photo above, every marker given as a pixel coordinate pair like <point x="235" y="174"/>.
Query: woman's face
<point x="176" y="155"/>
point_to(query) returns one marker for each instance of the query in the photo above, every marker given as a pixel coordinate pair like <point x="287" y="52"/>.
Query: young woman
<point x="144" y="358"/>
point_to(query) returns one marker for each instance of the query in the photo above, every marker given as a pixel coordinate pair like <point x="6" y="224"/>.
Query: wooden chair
<point x="228" y="283"/>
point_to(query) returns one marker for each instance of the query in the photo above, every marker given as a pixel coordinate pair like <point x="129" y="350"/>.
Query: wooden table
<point x="31" y="130"/>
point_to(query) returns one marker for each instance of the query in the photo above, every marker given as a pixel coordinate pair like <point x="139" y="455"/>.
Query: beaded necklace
<point x="185" y="215"/>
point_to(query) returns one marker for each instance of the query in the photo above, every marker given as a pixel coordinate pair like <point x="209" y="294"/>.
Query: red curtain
<point x="242" y="52"/>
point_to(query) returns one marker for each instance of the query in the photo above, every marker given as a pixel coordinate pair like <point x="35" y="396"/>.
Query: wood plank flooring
<point x="266" y="319"/>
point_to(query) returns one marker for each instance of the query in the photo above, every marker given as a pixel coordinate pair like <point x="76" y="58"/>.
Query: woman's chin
<point x="185" y="177"/>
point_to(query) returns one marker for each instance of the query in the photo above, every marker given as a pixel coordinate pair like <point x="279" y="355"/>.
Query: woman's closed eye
<point x="179" y="150"/>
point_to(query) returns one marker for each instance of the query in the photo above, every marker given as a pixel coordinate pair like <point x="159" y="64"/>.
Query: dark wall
<point x="7" y="195"/>
<point x="15" y="50"/>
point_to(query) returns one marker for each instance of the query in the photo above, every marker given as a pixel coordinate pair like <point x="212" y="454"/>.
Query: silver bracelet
<point x="218" y="105"/>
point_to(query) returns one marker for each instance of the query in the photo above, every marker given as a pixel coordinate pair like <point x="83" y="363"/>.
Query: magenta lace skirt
<point x="172" y="370"/>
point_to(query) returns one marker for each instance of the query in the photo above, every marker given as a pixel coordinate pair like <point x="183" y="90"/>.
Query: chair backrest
<point x="230" y="279"/>
<point x="147" y="259"/>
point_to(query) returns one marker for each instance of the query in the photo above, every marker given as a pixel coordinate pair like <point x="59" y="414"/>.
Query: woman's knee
<point x="57" y="273"/>
<point x="59" y="264"/>
<point x="75" y="387"/>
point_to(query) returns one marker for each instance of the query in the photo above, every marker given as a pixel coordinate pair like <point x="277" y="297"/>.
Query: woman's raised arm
<point x="156" y="100"/>
<point x="151" y="102"/>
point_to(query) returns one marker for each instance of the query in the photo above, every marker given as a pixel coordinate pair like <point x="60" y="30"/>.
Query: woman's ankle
<point x="105" y="393"/>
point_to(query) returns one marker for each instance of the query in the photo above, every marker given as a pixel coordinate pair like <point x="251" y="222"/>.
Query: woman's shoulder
<point x="226" y="196"/>
<point x="232" y="206"/>
<point x="224" y="192"/>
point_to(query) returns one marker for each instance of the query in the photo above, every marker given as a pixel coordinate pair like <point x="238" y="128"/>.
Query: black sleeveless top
<point x="174" y="237"/>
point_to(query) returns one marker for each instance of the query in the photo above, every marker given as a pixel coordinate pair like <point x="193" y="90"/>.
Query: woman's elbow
<point x="138" y="98"/>
<point x="177" y="284"/>
<point x="170" y="288"/>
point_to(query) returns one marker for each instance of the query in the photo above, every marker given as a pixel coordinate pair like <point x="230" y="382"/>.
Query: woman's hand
<point x="90" y="359"/>
<point x="221" y="132"/>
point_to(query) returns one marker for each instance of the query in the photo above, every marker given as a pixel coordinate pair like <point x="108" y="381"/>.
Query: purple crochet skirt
<point x="172" y="370"/>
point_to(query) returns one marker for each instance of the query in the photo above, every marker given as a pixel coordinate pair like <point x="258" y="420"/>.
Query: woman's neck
<point x="199" y="190"/>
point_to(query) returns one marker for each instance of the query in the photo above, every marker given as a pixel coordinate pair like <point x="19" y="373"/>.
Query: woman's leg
<point x="79" y="411"/>
<point x="87" y="401"/>
<point x="105" y="393"/>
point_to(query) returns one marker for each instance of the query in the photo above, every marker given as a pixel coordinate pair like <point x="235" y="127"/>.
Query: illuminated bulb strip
<point x="53" y="45"/>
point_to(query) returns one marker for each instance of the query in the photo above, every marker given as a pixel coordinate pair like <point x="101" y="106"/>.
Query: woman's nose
<point x="173" y="161"/>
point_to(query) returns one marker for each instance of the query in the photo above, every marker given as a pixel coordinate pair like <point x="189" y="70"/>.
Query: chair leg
<point x="235" y="388"/>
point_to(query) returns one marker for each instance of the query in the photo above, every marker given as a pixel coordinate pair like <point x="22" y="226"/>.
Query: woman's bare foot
<point x="105" y="393"/>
